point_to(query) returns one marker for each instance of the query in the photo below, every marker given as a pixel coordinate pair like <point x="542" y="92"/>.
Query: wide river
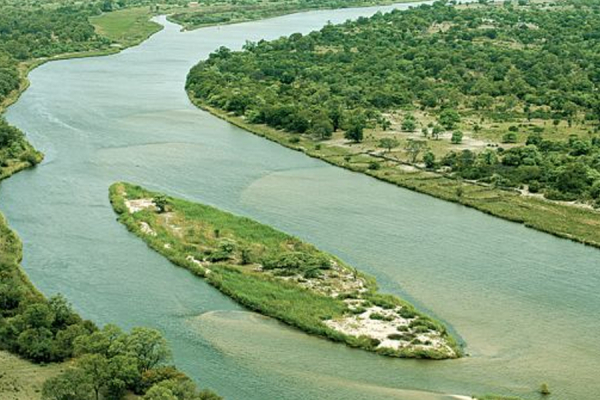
<point x="527" y="304"/>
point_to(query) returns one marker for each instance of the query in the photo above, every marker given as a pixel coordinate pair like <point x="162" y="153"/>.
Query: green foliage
<point x="429" y="160"/>
<point x="409" y="124"/>
<point x="355" y="130"/>
<point x="374" y="165"/>
<point x="278" y="285"/>
<point x="509" y="70"/>
<point x="389" y="143"/>
<point x="47" y="330"/>
<point x="161" y="202"/>
<point x="457" y="137"/>
<point x="509" y="137"/>
<point x="449" y="118"/>
<point x="73" y="384"/>
<point x="414" y="148"/>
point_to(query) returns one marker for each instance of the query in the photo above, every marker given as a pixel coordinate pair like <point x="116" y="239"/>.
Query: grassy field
<point x="23" y="380"/>
<point x="280" y="276"/>
<point x="557" y="218"/>
<point x="126" y="27"/>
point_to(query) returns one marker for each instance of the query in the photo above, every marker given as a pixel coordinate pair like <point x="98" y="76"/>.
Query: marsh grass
<point x="189" y="234"/>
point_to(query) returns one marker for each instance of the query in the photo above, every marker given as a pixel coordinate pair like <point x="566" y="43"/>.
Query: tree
<point x="123" y="373"/>
<point x="429" y="160"/>
<point x="388" y="143"/>
<point x="385" y="124"/>
<point x="414" y="148"/>
<point x="148" y="347"/>
<point x="449" y="118"/>
<point x="161" y="202"/>
<point x="95" y="368"/>
<point x="38" y="315"/>
<point x="457" y="137"/>
<point x="36" y="344"/>
<point x="436" y="131"/>
<point x="355" y="132"/>
<point x="107" y="6"/>
<point x="409" y="124"/>
<point x="109" y="341"/>
<point x="509" y="137"/>
<point x="62" y="311"/>
<point x="73" y="384"/>
<point x="158" y="392"/>
<point x="179" y="389"/>
<point x="322" y="128"/>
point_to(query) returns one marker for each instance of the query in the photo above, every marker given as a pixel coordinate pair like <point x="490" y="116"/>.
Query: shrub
<point x="374" y="165"/>
<point x="509" y="137"/>
<point x="407" y="312"/>
<point x="457" y="137"/>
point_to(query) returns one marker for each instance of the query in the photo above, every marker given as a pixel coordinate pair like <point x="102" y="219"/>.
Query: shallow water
<point x="526" y="303"/>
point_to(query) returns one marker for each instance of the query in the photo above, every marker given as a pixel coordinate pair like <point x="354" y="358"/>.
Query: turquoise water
<point x="525" y="303"/>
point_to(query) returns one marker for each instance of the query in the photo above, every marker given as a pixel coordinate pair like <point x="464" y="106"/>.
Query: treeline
<point x="527" y="61"/>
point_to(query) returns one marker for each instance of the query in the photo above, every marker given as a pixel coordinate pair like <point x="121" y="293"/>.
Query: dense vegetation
<point x="516" y="64"/>
<point x="276" y="274"/>
<point x="226" y="11"/>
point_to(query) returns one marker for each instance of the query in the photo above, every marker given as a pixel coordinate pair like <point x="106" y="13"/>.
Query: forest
<point x="530" y="68"/>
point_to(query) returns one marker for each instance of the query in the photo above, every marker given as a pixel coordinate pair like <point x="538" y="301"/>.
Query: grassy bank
<point x="562" y="220"/>
<point x="124" y="28"/>
<point x="127" y="27"/>
<point x="280" y="276"/>
<point x="227" y="12"/>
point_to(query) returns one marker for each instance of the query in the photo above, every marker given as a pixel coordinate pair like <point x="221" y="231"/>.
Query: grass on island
<point x="278" y="275"/>
<point x="559" y="219"/>
<point x="126" y="27"/>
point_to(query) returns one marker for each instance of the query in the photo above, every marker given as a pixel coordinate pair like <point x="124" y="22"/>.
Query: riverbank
<point x="200" y="16"/>
<point x="269" y="271"/>
<point x="565" y="221"/>
<point x="130" y="28"/>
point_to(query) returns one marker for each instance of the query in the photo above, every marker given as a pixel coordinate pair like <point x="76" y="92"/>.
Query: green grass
<point x="251" y="271"/>
<point x="126" y="27"/>
<point x="23" y="380"/>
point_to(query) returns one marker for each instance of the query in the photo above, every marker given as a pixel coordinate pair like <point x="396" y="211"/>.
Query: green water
<point x="526" y="303"/>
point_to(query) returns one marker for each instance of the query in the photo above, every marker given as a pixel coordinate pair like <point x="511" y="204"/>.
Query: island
<point x="281" y="276"/>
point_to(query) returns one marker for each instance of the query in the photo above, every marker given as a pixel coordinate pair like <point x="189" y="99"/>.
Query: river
<point x="526" y="303"/>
